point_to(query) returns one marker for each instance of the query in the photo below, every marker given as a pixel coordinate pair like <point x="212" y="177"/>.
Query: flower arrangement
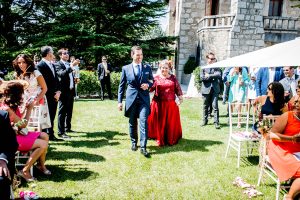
<point x="264" y="126"/>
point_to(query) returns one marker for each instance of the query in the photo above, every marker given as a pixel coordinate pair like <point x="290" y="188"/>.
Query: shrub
<point x="90" y="85"/>
<point x="9" y="76"/>
<point x="198" y="80"/>
<point x="190" y="65"/>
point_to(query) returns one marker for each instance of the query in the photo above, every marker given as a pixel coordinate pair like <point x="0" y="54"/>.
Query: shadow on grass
<point x="64" y="155"/>
<point x="185" y="145"/>
<point x="60" y="174"/>
<point x="250" y="160"/>
<point x="106" y="134"/>
<point x="88" y="143"/>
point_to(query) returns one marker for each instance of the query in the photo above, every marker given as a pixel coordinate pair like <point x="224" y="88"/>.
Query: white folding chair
<point x="21" y="159"/>
<point x="265" y="165"/>
<point x="239" y="114"/>
<point x="34" y="120"/>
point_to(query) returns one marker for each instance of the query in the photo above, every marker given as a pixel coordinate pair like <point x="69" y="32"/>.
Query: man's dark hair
<point x="45" y="50"/>
<point x="210" y="53"/>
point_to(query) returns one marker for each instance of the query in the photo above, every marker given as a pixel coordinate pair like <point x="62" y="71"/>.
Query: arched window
<point x="275" y="7"/>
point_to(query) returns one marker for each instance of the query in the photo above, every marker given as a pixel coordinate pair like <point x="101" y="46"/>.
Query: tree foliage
<point x="89" y="29"/>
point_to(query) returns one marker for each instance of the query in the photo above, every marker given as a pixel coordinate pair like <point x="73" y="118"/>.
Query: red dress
<point x="164" y="120"/>
<point x="281" y="154"/>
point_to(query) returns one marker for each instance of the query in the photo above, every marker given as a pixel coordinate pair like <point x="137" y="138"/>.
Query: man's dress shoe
<point x="134" y="147"/>
<point x="64" y="136"/>
<point x="217" y="126"/>
<point x="145" y="153"/>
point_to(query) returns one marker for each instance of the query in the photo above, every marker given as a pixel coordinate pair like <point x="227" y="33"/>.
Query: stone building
<point x="229" y="27"/>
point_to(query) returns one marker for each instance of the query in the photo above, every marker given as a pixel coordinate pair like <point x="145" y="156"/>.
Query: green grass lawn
<point x="99" y="164"/>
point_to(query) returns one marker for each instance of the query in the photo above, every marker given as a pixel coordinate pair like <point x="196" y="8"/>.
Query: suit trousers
<point x="52" y="106"/>
<point x="139" y="110"/>
<point x="65" y="111"/>
<point x="5" y="187"/>
<point x="210" y="99"/>
<point x="105" y="86"/>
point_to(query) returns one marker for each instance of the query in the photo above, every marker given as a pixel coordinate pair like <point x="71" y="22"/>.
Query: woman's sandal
<point x="21" y="174"/>
<point x="45" y="172"/>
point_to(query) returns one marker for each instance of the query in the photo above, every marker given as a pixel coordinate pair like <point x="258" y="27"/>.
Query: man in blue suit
<point x="139" y="80"/>
<point x="265" y="76"/>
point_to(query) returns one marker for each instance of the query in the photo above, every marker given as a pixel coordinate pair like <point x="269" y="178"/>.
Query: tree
<point x="88" y="28"/>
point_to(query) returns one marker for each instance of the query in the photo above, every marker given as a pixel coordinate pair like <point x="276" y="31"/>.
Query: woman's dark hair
<point x="278" y="92"/>
<point x="12" y="95"/>
<point x="29" y="62"/>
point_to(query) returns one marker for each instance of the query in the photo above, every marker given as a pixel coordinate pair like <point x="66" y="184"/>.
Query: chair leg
<point x="227" y="150"/>
<point x="260" y="174"/>
<point x="12" y="196"/>
<point x="277" y="189"/>
<point x="239" y="155"/>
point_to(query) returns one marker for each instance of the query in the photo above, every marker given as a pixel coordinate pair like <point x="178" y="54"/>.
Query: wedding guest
<point x="164" y="120"/>
<point x="238" y="79"/>
<point x="283" y="149"/>
<point x="104" y="69"/>
<point x="289" y="83"/>
<point x="76" y="73"/>
<point x="28" y="140"/>
<point x="25" y="70"/>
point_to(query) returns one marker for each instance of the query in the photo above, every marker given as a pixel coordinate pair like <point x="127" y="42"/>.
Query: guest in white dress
<point x="25" y="70"/>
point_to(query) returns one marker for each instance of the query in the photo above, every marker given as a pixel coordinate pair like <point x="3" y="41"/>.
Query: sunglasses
<point x="65" y="53"/>
<point x="212" y="58"/>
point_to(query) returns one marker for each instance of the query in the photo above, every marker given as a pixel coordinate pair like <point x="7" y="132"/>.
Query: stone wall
<point x="247" y="33"/>
<point x="189" y="13"/>
<point x="214" y="40"/>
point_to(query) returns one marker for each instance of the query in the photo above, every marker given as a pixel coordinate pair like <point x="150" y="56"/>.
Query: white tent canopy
<point x="282" y="54"/>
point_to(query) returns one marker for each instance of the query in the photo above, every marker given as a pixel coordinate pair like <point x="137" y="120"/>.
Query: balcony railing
<point x="216" y="22"/>
<point x="281" y="23"/>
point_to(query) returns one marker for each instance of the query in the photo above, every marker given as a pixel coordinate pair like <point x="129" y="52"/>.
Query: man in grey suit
<point x="210" y="90"/>
<point x="138" y="78"/>
<point x="289" y="83"/>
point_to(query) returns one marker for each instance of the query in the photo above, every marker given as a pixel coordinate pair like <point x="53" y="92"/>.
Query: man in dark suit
<point x="8" y="148"/>
<point x="210" y="90"/>
<point x="46" y="67"/>
<point x="103" y="71"/>
<point x="66" y="101"/>
<point x="139" y="79"/>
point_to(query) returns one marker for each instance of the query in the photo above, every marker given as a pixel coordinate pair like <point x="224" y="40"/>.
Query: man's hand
<point x="120" y="106"/>
<point x="57" y="95"/>
<point x="3" y="169"/>
<point x="145" y="86"/>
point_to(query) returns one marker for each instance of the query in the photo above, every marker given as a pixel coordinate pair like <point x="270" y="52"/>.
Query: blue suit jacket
<point x="262" y="79"/>
<point x="134" y="86"/>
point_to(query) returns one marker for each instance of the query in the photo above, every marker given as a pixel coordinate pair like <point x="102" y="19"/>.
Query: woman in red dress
<point x="284" y="148"/>
<point x="164" y="119"/>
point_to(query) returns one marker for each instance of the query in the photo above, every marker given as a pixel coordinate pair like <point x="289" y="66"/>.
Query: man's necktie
<point x="138" y="71"/>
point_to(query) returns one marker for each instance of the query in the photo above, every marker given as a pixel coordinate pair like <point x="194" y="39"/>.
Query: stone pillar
<point x="247" y="32"/>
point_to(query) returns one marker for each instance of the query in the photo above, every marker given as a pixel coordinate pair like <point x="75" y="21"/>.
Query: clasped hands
<point x="3" y="169"/>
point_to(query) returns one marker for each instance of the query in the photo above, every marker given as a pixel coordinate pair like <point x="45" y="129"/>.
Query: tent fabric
<point x="282" y="54"/>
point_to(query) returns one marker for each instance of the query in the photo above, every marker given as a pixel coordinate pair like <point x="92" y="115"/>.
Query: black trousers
<point x="210" y="99"/>
<point x="105" y="87"/>
<point x="4" y="187"/>
<point x="52" y="106"/>
<point x="65" y="111"/>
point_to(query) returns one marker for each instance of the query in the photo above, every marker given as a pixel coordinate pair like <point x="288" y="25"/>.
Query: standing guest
<point x="210" y="90"/>
<point x="164" y="119"/>
<point x="8" y="148"/>
<point x="289" y="83"/>
<point x="104" y="69"/>
<point x="283" y="149"/>
<point x="226" y="84"/>
<point x="138" y="78"/>
<point x="238" y="79"/>
<point x="251" y="86"/>
<point x="47" y="69"/>
<point x="265" y="76"/>
<point x="66" y="100"/>
<point x="76" y="73"/>
<point x="25" y="70"/>
<point x="27" y="140"/>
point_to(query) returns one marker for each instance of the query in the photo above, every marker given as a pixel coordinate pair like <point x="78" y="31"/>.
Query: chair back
<point x="34" y="120"/>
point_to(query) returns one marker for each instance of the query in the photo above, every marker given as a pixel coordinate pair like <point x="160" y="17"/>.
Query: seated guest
<point x="284" y="148"/>
<point x="164" y="120"/>
<point x="8" y="148"/>
<point x="291" y="101"/>
<point x="37" y="141"/>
